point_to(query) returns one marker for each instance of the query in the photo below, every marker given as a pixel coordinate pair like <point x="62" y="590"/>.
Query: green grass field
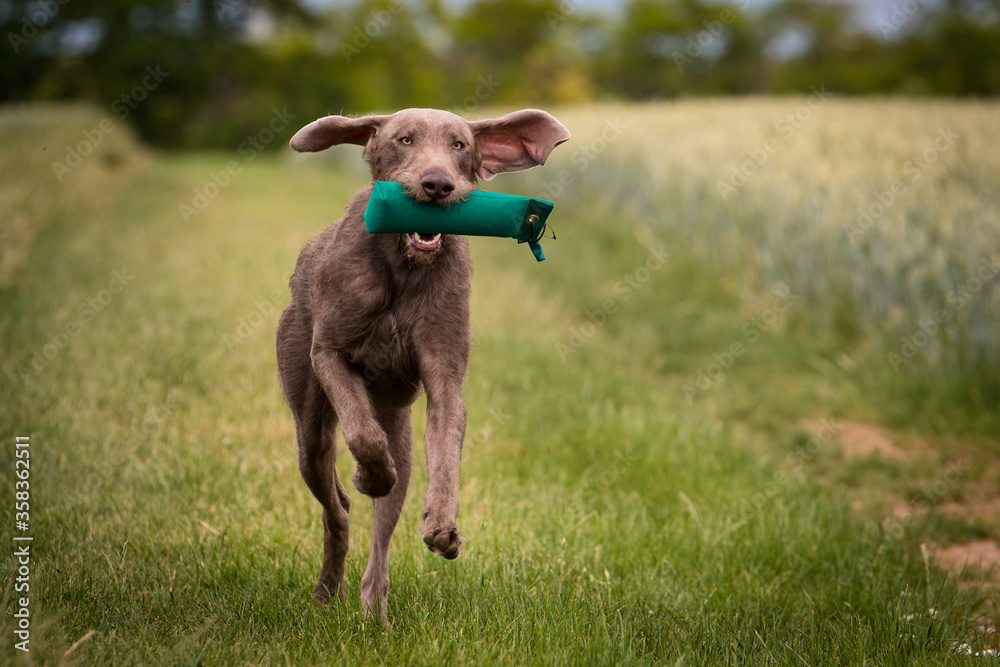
<point x="617" y="508"/>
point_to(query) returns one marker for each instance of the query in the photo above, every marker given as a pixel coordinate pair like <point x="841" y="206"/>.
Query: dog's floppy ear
<point x="335" y="130"/>
<point x="517" y="141"/>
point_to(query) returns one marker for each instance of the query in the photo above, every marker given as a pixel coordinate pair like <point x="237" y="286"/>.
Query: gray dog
<point x="376" y="317"/>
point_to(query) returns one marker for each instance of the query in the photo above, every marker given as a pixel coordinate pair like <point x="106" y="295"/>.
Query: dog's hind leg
<point x="317" y="464"/>
<point x="375" y="583"/>
<point x="315" y="430"/>
<point x="316" y="427"/>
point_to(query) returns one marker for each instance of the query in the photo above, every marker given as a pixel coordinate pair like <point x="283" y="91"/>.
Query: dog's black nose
<point x="437" y="185"/>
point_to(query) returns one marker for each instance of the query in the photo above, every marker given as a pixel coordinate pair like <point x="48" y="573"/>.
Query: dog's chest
<point x="386" y="350"/>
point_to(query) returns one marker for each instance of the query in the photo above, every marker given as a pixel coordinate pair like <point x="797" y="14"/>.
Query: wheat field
<point x="880" y="216"/>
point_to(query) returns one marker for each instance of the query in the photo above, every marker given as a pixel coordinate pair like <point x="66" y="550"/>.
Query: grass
<point x="608" y="520"/>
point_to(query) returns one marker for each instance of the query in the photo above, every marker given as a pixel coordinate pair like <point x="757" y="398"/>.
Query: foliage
<point x="231" y="62"/>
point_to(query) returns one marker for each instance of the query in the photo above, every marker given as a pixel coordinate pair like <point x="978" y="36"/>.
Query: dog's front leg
<point x="345" y="388"/>
<point x="444" y="435"/>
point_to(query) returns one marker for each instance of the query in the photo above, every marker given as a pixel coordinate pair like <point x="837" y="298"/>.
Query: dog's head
<point x="437" y="155"/>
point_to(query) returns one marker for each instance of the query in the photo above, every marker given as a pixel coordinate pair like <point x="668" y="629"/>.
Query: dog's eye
<point x="458" y="145"/>
<point x="405" y="140"/>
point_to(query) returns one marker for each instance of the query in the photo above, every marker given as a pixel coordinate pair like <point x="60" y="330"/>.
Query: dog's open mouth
<point x="424" y="242"/>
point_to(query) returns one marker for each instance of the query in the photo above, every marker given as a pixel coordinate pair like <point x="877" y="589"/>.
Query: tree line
<point x="226" y="66"/>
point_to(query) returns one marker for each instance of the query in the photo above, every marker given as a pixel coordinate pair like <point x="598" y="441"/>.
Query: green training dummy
<point x="391" y="211"/>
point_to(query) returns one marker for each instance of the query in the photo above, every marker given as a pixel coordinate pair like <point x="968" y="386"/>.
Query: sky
<point x="869" y="12"/>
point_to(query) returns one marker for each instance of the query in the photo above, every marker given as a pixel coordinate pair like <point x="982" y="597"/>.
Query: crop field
<point x="746" y="412"/>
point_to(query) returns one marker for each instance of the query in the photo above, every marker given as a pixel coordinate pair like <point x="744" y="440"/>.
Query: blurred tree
<point x="731" y="47"/>
<point x="216" y="71"/>
<point x="385" y="58"/>
<point x="204" y="54"/>
<point x="637" y="62"/>
<point x="668" y="48"/>
<point x="955" y="48"/>
<point x="508" y="41"/>
<point x="809" y="42"/>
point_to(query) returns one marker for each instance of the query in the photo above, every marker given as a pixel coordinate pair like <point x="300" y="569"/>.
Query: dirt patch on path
<point x="859" y="440"/>
<point x="963" y="488"/>
<point x="980" y="555"/>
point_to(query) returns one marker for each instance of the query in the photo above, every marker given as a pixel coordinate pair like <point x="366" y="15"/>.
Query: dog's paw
<point x="375" y="479"/>
<point x="444" y="542"/>
<point x="375" y="598"/>
<point x="323" y="594"/>
<point x="376" y="474"/>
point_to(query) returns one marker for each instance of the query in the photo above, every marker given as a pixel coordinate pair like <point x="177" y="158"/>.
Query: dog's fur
<point x="376" y="317"/>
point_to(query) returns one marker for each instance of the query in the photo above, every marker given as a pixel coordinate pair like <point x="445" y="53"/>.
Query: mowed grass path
<point x="607" y="521"/>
